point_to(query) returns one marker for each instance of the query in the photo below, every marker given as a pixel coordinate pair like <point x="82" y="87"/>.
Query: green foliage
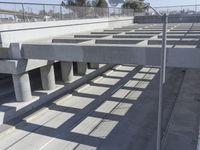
<point x="77" y="3"/>
<point x="101" y="3"/>
<point x="137" y="5"/>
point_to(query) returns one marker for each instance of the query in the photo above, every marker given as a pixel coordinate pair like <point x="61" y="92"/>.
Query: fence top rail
<point x="48" y="4"/>
<point x="177" y="6"/>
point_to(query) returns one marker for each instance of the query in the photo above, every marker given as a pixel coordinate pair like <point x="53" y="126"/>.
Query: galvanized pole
<point x="162" y="81"/>
<point x="44" y="11"/>
<point x="61" y="13"/>
<point x="23" y="10"/>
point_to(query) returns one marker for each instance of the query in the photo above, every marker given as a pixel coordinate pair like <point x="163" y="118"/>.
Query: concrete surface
<point x="117" y="110"/>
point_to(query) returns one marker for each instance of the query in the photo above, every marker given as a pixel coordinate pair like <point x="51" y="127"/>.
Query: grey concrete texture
<point x="117" y="48"/>
<point x="116" y="111"/>
<point x="22" y="87"/>
<point x="10" y="109"/>
<point x="67" y="71"/>
<point x="48" y="77"/>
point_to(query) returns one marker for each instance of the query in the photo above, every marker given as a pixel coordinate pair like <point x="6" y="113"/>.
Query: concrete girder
<point x="112" y="54"/>
<point x="175" y="42"/>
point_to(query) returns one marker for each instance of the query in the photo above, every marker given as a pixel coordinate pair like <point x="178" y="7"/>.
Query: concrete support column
<point x="67" y="71"/>
<point x="93" y="66"/>
<point x="48" y="77"/>
<point x="81" y="68"/>
<point x="22" y="87"/>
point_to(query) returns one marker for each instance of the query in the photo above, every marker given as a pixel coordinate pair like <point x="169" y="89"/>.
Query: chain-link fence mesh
<point x="32" y="12"/>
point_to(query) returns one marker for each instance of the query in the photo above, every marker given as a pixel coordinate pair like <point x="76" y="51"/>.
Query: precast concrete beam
<point x="117" y="41"/>
<point x="91" y="36"/>
<point x="114" y="54"/>
<point x="48" y="77"/>
<point x="133" y="36"/>
<point x="22" y="87"/>
<point x="181" y="36"/>
<point x="67" y="71"/>
<point x="174" y="42"/>
<point x="72" y="40"/>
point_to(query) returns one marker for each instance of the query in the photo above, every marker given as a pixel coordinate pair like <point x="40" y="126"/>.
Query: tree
<point x="78" y="7"/>
<point x="102" y="3"/>
<point x="137" y="5"/>
<point x="100" y="7"/>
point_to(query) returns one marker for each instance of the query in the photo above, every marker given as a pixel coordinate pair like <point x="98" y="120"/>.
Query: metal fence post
<point x="23" y="11"/>
<point x="44" y="12"/>
<point x="162" y="81"/>
<point x="108" y="12"/>
<point x="61" y="14"/>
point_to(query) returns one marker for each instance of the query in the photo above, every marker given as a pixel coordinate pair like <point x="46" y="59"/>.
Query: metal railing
<point x="31" y="12"/>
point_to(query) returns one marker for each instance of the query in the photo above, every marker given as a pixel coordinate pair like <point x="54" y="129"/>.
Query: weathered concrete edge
<point x="6" y="114"/>
<point x="21" y="66"/>
<point x="183" y="129"/>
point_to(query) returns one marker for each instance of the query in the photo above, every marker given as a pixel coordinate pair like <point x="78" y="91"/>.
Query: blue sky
<point x="153" y="2"/>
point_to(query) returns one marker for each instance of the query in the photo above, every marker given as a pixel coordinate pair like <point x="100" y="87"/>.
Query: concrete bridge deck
<point x="119" y="106"/>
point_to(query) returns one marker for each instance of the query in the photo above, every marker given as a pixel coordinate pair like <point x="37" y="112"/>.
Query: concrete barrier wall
<point x="172" y="19"/>
<point x="22" y="32"/>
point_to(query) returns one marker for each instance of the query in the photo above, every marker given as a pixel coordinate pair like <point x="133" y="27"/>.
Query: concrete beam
<point x="117" y="41"/>
<point x="21" y="66"/>
<point x="144" y="32"/>
<point x="133" y="36"/>
<point x="91" y="36"/>
<point x="106" y="32"/>
<point x="181" y="36"/>
<point x="72" y="40"/>
<point x="174" y="42"/>
<point x="114" y="54"/>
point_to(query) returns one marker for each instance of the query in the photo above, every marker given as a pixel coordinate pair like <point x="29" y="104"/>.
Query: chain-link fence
<point x="31" y="12"/>
<point x="176" y="10"/>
